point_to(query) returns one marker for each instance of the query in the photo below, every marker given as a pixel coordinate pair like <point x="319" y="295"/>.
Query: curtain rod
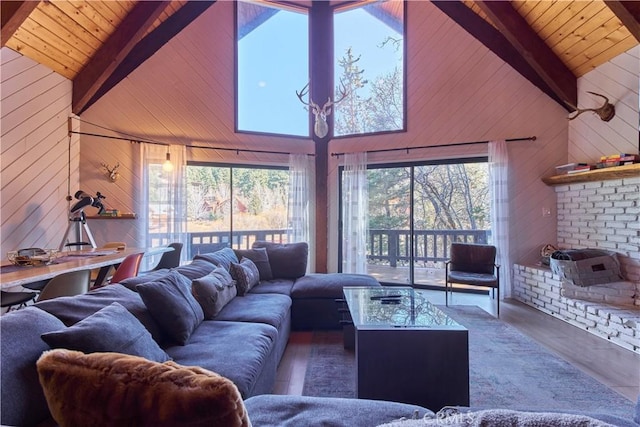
<point x="528" y="138"/>
<point x="144" y="141"/>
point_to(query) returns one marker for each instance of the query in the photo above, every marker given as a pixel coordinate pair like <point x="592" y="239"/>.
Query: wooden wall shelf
<point x="121" y="216"/>
<point x="615" y="172"/>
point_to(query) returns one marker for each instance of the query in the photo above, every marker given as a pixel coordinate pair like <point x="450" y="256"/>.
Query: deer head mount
<point x="320" y="126"/>
<point x="112" y="173"/>
<point x="606" y="112"/>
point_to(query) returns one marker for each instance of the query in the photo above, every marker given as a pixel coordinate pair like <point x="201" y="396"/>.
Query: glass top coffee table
<point x="407" y="349"/>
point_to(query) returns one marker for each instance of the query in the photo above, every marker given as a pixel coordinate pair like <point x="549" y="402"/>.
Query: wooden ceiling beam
<point x="629" y="13"/>
<point x="149" y="45"/>
<point x="533" y="49"/>
<point x="486" y="34"/>
<point x="130" y="31"/>
<point x="12" y="15"/>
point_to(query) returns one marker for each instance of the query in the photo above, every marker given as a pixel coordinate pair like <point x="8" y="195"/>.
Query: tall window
<point x="234" y="206"/>
<point x="272" y="63"/>
<point x="417" y="210"/>
<point x="369" y="66"/>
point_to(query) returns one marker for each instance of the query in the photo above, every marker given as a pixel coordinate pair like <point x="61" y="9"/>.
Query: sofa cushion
<point x="172" y="305"/>
<point x="288" y="260"/>
<point x="112" y="328"/>
<point x="222" y="258"/>
<point x="73" y="309"/>
<point x="197" y="268"/>
<point x="321" y="285"/>
<point x="246" y="275"/>
<point x="293" y="411"/>
<point x="272" y="309"/>
<point x="214" y="291"/>
<point x="22" y="402"/>
<point x="275" y="286"/>
<point x="239" y="351"/>
<point x="116" y="389"/>
<point x="260" y="259"/>
<point x="132" y="282"/>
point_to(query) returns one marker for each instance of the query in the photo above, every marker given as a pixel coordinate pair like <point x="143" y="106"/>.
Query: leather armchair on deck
<point x="474" y="265"/>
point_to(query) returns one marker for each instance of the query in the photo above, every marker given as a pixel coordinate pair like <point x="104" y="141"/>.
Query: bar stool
<point x="12" y="299"/>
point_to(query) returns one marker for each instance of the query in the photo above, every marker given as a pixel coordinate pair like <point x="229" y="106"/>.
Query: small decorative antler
<point x="606" y="112"/>
<point x="320" y="126"/>
<point x="112" y="172"/>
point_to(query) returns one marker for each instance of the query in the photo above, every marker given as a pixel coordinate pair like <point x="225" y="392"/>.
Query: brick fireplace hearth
<point x="593" y="214"/>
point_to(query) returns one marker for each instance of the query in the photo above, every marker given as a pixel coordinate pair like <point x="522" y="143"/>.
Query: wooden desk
<point x="110" y="258"/>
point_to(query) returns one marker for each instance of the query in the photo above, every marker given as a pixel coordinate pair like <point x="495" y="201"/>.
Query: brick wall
<point x="603" y="215"/>
<point x="538" y="287"/>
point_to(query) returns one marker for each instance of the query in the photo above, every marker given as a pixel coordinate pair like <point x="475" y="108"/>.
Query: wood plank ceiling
<point x="97" y="43"/>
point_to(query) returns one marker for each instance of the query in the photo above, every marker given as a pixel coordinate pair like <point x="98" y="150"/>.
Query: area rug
<point x="506" y="369"/>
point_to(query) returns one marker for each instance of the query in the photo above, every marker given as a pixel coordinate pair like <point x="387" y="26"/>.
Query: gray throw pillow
<point x="197" y="268"/>
<point x="111" y="329"/>
<point x="222" y="258"/>
<point x="171" y="304"/>
<point x="245" y="274"/>
<point x="260" y="259"/>
<point x="287" y="260"/>
<point x="132" y="282"/>
<point x="214" y="291"/>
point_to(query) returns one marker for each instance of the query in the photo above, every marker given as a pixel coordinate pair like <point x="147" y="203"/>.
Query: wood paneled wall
<point x="37" y="154"/>
<point x="458" y="91"/>
<point x="590" y="137"/>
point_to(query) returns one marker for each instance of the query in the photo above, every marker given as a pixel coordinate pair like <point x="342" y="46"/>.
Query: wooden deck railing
<point x="393" y="246"/>
<point x="386" y="247"/>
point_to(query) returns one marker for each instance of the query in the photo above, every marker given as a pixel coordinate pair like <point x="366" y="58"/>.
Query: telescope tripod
<point x="76" y="226"/>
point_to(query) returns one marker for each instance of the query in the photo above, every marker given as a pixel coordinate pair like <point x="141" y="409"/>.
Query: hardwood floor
<point x="612" y="365"/>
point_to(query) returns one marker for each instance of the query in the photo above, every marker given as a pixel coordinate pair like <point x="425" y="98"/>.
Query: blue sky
<point x="273" y="64"/>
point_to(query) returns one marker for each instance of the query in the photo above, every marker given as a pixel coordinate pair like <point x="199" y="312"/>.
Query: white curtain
<point x="355" y="208"/>
<point x="301" y="191"/>
<point x="499" y="187"/>
<point x="164" y="198"/>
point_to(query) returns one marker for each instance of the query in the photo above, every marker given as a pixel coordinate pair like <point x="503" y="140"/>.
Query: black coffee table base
<point x="426" y="367"/>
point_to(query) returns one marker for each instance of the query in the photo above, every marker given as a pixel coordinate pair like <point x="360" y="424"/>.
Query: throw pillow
<point x="117" y="389"/>
<point x="214" y="291"/>
<point x="245" y="274"/>
<point x="288" y="260"/>
<point x="132" y="282"/>
<point x="196" y="268"/>
<point x="112" y="328"/>
<point x="260" y="259"/>
<point x="222" y="257"/>
<point x="171" y="304"/>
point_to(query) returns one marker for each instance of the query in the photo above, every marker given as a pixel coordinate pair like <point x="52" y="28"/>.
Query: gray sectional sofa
<point x="241" y="337"/>
<point x="219" y="312"/>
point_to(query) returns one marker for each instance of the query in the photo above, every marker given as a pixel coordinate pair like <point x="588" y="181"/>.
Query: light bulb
<point x="167" y="166"/>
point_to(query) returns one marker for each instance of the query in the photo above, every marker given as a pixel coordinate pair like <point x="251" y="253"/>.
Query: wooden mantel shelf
<point x="615" y="172"/>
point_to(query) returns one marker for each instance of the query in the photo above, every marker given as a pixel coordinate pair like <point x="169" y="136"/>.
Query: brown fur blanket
<point x="113" y="389"/>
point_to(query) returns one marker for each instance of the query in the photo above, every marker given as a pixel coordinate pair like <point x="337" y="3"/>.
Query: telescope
<point x="78" y="220"/>
<point x="85" y="200"/>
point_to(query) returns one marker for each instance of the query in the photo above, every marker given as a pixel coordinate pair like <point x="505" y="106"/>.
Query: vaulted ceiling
<point x="96" y="44"/>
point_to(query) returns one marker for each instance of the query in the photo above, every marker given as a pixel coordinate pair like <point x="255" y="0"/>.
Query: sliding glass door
<point x="417" y="210"/>
<point x="234" y="206"/>
<point x="450" y="204"/>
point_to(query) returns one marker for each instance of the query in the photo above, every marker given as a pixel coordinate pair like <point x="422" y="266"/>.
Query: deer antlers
<point x="320" y="127"/>
<point x="606" y="111"/>
<point x="112" y="172"/>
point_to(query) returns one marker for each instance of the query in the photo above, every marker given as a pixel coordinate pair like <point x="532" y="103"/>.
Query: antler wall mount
<point x="320" y="126"/>
<point x="606" y="112"/>
<point x="112" y="172"/>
